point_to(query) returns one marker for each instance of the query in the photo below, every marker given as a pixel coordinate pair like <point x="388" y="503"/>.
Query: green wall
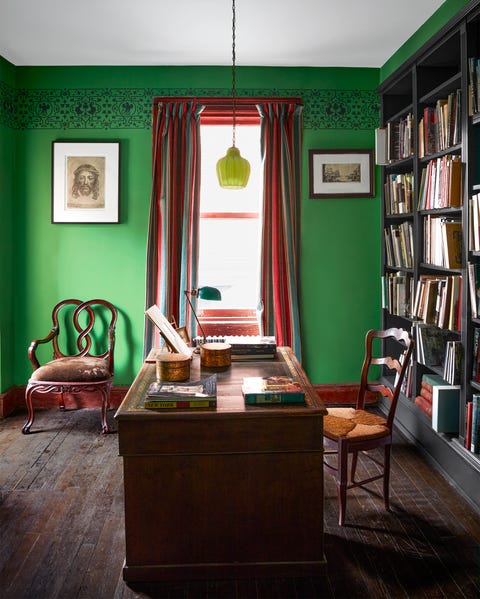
<point x="41" y="263"/>
<point x="7" y="167"/>
<point x="340" y="265"/>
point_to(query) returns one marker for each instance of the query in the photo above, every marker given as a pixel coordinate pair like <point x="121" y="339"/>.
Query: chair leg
<point x="354" y="465"/>
<point x="386" y="477"/>
<point x="342" y="480"/>
<point x="31" y="413"/>
<point x="105" y="391"/>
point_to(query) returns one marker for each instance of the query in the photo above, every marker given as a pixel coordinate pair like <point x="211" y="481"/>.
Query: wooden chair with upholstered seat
<point x="86" y="366"/>
<point x="354" y="430"/>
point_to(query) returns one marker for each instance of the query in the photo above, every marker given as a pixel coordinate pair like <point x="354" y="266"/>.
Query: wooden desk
<point x="225" y="493"/>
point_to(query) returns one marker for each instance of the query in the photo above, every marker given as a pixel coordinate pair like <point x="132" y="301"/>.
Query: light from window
<point x="229" y="245"/>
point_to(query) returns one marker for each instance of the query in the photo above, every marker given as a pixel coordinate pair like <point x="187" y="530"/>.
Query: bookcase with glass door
<point x="429" y="148"/>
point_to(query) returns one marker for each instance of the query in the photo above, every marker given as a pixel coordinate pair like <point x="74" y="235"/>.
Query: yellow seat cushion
<point x="357" y="425"/>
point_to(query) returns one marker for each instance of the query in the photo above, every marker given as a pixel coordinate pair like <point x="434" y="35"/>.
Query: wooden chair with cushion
<point x="86" y="366"/>
<point x="354" y="430"/>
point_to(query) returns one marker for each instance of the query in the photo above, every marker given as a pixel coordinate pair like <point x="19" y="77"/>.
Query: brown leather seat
<point x="84" y="371"/>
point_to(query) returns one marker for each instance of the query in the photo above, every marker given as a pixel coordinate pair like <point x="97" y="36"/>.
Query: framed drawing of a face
<point x="85" y="186"/>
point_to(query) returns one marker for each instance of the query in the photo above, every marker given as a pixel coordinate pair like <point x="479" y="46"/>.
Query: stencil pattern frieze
<point x="131" y="108"/>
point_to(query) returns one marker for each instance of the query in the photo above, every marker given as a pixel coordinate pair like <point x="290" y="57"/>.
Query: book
<point x="431" y="344"/>
<point x="426" y="393"/>
<point x="474" y="286"/>
<point x="445" y="408"/>
<point x="381" y="150"/>
<point x="475" y="435"/>
<point x="424" y="405"/>
<point x="245" y="347"/>
<point x="179" y="404"/>
<point x="191" y="394"/>
<point x="272" y="389"/>
<point x="468" y="425"/>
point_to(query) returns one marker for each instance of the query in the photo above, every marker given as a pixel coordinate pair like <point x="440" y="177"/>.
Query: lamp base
<point x="215" y="355"/>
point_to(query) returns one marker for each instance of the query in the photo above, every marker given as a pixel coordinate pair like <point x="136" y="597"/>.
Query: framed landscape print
<point x="85" y="187"/>
<point x="341" y="174"/>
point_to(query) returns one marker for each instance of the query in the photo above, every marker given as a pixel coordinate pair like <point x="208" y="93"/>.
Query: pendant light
<point x="233" y="171"/>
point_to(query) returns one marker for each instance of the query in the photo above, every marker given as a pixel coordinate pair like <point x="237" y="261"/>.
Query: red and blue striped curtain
<point x="281" y="130"/>
<point x="172" y="260"/>
<point x="172" y="252"/>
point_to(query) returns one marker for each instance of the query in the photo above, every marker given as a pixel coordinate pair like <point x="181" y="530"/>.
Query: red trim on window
<point x="218" y="111"/>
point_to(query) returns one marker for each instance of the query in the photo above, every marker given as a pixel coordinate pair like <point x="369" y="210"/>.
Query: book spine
<point x="426" y="394"/>
<point x="253" y="349"/>
<point x="173" y="404"/>
<point x="267" y="398"/>
<point x="424" y="405"/>
<point x="475" y="439"/>
<point x="468" y="426"/>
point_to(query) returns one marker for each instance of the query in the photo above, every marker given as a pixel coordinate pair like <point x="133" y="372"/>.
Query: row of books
<point x="476" y="355"/>
<point x="394" y="141"/>
<point x="245" y="347"/>
<point x="474" y="223"/>
<point x="441" y="183"/>
<point x="398" y="292"/>
<point x="442" y="242"/>
<point x="440" y="125"/>
<point x="438" y="301"/>
<point x="473" y="85"/>
<point x="473" y="269"/>
<point x="440" y="401"/>
<point x="431" y="344"/>
<point x="398" y="194"/>
<point x="398" y="240"/>
<point x="453" y="362"/>
<point x="202" y="393"/>
<point x="472" y="428"/>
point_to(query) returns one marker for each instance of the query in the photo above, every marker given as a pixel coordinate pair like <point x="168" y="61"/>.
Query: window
<point x="230" y="228"/>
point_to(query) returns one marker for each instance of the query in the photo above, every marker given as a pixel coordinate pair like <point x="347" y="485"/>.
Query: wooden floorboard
<point x="62" y="535"/>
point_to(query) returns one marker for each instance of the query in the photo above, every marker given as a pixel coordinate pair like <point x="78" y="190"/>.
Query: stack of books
<point x="246" y="347"/>
<point x="196" y="395"/>
<point x="441" y="402"/>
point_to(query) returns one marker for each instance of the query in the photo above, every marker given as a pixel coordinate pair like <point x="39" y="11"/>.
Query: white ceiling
<point x="362" y="33"/>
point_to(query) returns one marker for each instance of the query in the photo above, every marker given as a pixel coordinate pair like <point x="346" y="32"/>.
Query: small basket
<point x="173" y="367"/>
<point x="215" y="355"/>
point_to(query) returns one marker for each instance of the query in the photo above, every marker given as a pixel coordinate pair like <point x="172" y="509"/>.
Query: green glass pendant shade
<point x="233" y="171"/>
<point x="209" y="293"/>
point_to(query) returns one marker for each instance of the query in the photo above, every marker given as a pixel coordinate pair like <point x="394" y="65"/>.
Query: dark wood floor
<point x="61" y="527"/>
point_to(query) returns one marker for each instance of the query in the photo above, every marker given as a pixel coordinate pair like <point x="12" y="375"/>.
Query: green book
<point x="271" y="390"/>
<point x="445" y="408"/>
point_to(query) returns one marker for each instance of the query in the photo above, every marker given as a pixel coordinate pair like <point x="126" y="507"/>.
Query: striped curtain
<point x="281" y="128"/>
<point x="172" y="251"/>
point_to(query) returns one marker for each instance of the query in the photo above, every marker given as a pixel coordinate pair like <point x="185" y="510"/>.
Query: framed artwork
<point x="85" y="186"/>
<point x="172" y="338"/>
<point x="341" y="174"/>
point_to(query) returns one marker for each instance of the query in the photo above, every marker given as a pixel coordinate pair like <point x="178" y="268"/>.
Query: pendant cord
<point x="234" y="89"/>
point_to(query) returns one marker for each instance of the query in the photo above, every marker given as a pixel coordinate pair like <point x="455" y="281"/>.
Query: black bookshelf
<point x="439" y="68"/>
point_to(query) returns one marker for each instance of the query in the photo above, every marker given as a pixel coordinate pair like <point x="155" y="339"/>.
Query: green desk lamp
<point x="206" y="293"/>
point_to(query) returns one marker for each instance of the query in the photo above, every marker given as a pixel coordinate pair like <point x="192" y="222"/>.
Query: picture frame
<point x="85" y="182"/>
<point x="341" y="174"/>
<point x="171" y="337"/>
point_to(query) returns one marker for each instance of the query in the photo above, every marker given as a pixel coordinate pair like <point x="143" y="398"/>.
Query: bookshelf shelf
<point x="435" y="89"/>
<point x="444" y="88"/>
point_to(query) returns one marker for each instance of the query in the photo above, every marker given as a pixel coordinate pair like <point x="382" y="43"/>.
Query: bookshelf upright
<point x="431" y="175"/>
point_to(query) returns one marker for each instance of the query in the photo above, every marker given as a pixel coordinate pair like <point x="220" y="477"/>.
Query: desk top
<point x="230" y="400"/>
